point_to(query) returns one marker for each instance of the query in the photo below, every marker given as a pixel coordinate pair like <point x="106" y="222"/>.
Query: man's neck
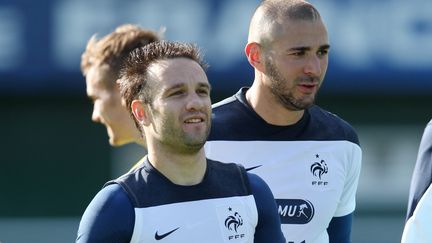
<point x="268" y="108"/>
<point x="180" y="168"/>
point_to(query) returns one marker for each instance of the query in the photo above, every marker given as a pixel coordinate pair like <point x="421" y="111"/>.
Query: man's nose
<point x="195" y="102"/>
<point x="95" y="114"/>
<point x="313" y="66"/>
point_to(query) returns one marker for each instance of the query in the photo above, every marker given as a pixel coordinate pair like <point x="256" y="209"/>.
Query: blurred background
<point x="54" y="159"/>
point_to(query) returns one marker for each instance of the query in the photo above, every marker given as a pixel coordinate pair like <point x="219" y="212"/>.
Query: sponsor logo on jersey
<point x="318" y="169"/>
<point x="233" y="222"/>
<point x="295" y="211"/>
<point x="160" y="237"/>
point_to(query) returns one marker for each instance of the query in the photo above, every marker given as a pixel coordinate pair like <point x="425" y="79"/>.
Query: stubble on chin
<point x="301" y="104"/>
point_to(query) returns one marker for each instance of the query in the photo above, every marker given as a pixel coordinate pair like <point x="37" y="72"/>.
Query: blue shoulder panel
<point x="269" y="225"/>
<point x="110" y="217"/>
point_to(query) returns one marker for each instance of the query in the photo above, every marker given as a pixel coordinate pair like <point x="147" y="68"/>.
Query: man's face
<point x="181" y="108"/>
<point x="296" y="63"/>
<point x="107" y="107"/>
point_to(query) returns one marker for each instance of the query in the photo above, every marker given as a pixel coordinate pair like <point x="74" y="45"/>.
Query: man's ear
<point x="117" y="83"/>
<point x="253" y="52"/>
<point x="140" y="112"/>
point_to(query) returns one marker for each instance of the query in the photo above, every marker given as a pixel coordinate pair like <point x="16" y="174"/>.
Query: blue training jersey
<point x="312" y="167"/>
<point x="229" y="205"/>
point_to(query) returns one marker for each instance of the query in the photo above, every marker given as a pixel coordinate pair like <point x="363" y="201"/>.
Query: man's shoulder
<point x="135" y="182"/>
<point x="222" y="169"/>
<point x="428" y="130"/>
<point x="426" y="143"/>
<point x="323" y="115"/>
<point x="226" y="108"/>
<point x="109" y="203"/>
<point x="231" y="176"/>
<point x="325" y="120"/>
<point x="223" y="104"/>
<point x="232" y="117"/>
<point x="231" y="105"/>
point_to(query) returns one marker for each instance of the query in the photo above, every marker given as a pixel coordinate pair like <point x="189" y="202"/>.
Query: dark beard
<point x="286" y="99"/>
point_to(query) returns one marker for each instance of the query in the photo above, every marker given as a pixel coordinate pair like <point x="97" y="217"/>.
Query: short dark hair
<point x="293" y="9"/>
<point x="271" y="15"/>
<point x="134" y="78"/>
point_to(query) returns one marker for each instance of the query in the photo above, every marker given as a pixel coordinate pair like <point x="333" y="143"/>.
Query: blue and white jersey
<point x="229" y="205"/>
<point x="312" y="167"/>
<point x="418" y="227"/>
<point x="422" y="174"/>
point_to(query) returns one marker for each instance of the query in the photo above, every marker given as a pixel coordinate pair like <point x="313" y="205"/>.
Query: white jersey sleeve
<point x="348" y="202"/>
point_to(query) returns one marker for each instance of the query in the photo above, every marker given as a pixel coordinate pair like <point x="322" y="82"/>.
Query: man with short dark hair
<point x="309" y="157"/>
<point x="176" y="194"/>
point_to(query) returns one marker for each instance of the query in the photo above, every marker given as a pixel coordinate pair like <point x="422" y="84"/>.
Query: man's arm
<point x="109" y="217"/>
<point x="269" y="225"/>
<point x="339" y="229"/>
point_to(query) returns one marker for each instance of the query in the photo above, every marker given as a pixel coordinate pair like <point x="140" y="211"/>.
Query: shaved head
<point x="271" y="15"/>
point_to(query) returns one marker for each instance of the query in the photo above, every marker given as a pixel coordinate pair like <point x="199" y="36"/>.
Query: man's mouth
<point x="194" y="120"/>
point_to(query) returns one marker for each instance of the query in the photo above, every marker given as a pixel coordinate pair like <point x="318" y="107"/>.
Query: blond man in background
<point x="100" y="65"/>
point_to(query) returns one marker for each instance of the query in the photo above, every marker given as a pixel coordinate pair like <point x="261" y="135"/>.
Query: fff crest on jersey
<point x="319" y="169"/>
<point x="232" y="224"/>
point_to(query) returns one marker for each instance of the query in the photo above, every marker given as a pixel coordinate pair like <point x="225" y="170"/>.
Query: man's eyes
<point x="176" y="93"/>
<point x="298" y="53"/>
<point x="322" y="52"/>
<point x="203" y="91"/>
